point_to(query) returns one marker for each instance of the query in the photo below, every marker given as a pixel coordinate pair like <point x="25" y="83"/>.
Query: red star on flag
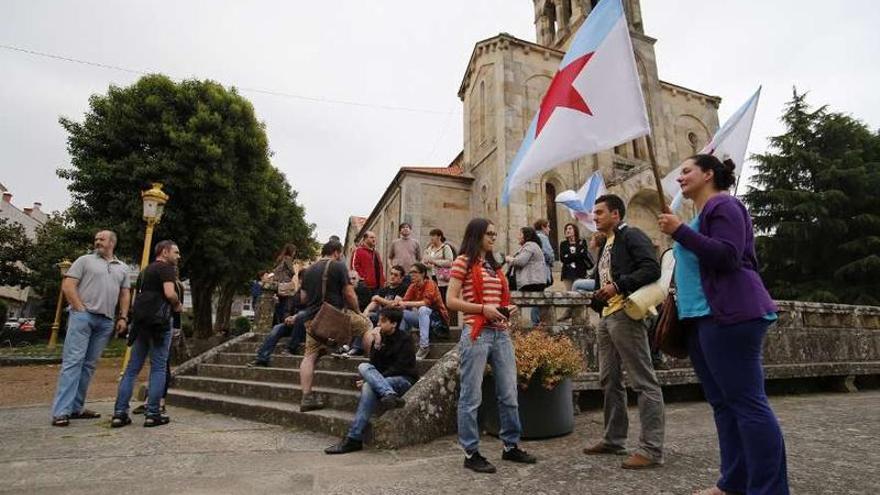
<point x="562" y="94"/>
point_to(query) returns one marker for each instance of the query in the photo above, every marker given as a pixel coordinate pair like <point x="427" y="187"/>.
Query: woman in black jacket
<point x="575" y="256"/>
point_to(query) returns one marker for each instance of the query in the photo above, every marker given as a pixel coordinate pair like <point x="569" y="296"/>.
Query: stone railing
<point x="809" y="339"/>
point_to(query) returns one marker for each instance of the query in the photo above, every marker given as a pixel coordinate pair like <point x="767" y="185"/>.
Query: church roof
<point x="450" y="171"/>
<point x="503" y="39"/>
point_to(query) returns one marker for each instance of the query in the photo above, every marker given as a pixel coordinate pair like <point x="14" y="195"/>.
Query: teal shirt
<point x="691" y="300"/>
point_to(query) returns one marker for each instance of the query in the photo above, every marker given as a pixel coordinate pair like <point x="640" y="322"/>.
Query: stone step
<point x="454" y="335"/>
<point x="287" y="361"/>
<point x="323" y="378"/>
<point x="330" y="421"/>
<point x="437" y="349"/>
<point x="333" y="398"/>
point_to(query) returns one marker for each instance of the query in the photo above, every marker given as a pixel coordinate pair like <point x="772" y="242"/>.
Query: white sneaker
<point x="423" y="352"/>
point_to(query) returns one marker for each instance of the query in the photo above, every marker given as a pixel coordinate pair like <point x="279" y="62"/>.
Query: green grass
<point x="116" y="348"/>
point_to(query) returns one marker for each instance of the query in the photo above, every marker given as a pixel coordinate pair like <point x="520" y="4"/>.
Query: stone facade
<point x="502" y="88"/>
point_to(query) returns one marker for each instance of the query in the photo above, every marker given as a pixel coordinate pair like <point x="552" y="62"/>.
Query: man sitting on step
<point x="389" y="374"/>
<point x="290" y="326"/>
<point x="340" y="294"/>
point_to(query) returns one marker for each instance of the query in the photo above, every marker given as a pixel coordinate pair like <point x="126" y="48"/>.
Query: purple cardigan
<point x="725" y="247"/>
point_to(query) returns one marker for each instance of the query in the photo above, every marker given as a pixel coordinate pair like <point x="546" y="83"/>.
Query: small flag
<point x="731" y="141"/>
<point x="594" y="102"/>
<point x="580" y="203"/>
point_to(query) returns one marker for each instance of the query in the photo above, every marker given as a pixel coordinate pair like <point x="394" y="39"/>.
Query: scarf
<point x="480" y="320"/>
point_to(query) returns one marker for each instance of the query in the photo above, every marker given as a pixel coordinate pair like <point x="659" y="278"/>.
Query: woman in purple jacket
<point x="720" y="291"/>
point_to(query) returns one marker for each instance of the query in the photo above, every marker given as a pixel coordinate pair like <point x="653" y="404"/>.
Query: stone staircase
<point x="222" y="383"/>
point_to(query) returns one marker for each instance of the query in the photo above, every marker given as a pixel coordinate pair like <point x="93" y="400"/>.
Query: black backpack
<point x="151" y="313"/>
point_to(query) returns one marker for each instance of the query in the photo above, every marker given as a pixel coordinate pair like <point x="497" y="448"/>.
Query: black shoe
<point x="518" y="455"/>
<point x="345" y="446"/>
<point x="152" y="421"/>
<point x="393" y="401"/>
<point x="120" y="420"/>
<point x="256" y="363"/>
<point x="478" y="463"/>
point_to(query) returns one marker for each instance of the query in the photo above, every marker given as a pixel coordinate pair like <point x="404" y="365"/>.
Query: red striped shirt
<point x="491" y="284"/>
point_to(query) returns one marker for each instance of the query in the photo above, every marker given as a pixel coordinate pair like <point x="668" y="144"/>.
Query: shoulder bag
<point x="670" y="335"/>
<point x="330" y="326"/>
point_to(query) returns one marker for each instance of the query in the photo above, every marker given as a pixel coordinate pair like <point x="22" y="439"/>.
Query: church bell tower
<point x="556" y="21"/>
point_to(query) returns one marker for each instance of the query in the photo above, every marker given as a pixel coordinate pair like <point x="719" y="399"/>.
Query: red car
<point x="27" y="326"/>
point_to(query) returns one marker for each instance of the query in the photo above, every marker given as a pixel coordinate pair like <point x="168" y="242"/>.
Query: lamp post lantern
<point x="63" y="266"/>
<point x="154" y="200"/>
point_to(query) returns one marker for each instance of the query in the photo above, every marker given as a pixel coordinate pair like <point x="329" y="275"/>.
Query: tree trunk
<point x="224" y="308"/>
<point x="202" y="293"/>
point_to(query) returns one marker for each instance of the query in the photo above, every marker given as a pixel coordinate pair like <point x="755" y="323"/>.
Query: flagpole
<point x="656" y="169"/>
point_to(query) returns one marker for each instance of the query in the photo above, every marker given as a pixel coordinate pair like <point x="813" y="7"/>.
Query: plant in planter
<point x="545" y="364"/>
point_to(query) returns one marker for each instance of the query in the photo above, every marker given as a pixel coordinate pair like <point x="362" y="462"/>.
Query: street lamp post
<point x="63" y="266"/>
<point x="154" y="201"/>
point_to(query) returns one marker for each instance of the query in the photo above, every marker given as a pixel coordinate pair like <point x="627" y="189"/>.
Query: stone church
<point x="501" y="91"/>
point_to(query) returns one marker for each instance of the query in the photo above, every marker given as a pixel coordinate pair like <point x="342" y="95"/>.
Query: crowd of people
<point x="720" y="296"/>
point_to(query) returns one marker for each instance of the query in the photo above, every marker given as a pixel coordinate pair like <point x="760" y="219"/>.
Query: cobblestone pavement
<point x="832" y="445"/>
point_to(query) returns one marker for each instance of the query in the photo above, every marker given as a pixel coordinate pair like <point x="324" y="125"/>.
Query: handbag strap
<point x="324" y="282"/>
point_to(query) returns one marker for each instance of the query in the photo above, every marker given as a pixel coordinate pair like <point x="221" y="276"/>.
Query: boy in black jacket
<point x="389" y="374"/>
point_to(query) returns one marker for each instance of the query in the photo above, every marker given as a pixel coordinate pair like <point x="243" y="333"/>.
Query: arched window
<point x="550" y="14"/>
<point x="550" y="201"/>
<point x="482" y="110"/>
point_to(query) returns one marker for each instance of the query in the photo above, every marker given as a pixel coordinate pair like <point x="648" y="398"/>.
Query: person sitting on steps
<point x="421" y="304"/>
<point x="389" y="374"/>
<point x="289" y="326"/>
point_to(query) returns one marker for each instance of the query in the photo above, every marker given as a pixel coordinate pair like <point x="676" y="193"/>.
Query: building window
<point x="694" y="141"/>
<point x="550" y="14"/>
<point x="638" y="152"/>
<point x="482" y="110"/>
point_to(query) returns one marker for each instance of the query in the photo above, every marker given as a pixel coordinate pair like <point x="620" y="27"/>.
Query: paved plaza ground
<point x="832" y="444"/>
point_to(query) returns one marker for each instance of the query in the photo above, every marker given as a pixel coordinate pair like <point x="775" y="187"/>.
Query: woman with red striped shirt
<point x="478" y="288"/>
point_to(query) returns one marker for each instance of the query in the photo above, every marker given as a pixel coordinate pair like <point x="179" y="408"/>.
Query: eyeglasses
<point x="491" y="233"/>
<point x="414" y="272"/>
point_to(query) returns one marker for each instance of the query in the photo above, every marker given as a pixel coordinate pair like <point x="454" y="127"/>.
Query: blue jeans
<point x="495" y="347"/>
<point x="727" y="359"/>
<point x="375" y="387"/>
<point x="584" y="284"/>
<point x="158" y="348"/>
<point x="279" y="331"/>
<point x="420" y="317"/>
<point x="87" y="336"/>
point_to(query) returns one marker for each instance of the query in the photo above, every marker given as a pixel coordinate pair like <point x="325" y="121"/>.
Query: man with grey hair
<point x="96" y="285"/>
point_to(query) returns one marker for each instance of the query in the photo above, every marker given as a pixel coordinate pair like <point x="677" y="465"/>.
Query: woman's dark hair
<point x="420" y="267"/>
<point x="438" y="232"/>
<point x="577" y="231"/>
<point x="473" y="242"/>
<point x="288" y="251"/>
<point x="725" y="172"/>
<point x="530" y="235"/>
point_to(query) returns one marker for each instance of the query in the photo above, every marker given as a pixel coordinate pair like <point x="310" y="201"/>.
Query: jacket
<point x="580" y="258"/>
<point x="396" y="356"/>
<point x="368" y="265"/>
<point x="633" y="262"/>
<point x="528" y="265"/>
<point x="725" y="248"/>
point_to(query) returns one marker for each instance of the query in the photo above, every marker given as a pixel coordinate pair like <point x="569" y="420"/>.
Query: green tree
<point x="14" y="249"/>
<point x="817" y="203"/>
<point x="58" y="239"/>
<point x="230" y="209"/>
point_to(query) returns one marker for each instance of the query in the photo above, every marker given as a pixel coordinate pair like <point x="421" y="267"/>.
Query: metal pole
<point x="56" y="325"/>
<point x="656" y="169"/>
<point x="145" y="259"/>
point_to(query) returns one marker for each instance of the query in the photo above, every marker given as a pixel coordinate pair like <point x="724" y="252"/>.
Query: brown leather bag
<point x="331" y="326"/>
<point x="670" y="335"/>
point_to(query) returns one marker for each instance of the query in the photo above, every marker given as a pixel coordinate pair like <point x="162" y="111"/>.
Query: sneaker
<point x="477" y="463"/>
<point x="423" y="352"/>
<point x="515" y="454"/>
<point x="345" y="446"/>
<point x="310" y="402"/>
<point x="256" y="363"/>
<point x="393" y="401"/>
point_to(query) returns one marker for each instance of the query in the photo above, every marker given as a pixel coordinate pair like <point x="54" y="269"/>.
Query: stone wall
<point x="809" y="340"/>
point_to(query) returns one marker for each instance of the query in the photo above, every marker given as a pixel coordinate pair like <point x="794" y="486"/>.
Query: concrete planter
<point x="542" y="413"/>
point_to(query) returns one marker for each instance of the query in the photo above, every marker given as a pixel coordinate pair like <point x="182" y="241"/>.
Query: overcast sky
<point x="398" y="65"/>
